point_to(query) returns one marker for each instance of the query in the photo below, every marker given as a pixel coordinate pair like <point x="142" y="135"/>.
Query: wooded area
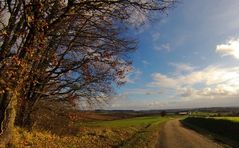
<point x="74" y="51"/>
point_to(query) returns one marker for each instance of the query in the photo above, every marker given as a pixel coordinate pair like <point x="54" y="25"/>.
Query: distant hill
<point x="145" y="112"/>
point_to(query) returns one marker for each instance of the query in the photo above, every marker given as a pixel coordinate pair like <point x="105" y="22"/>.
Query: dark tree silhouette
<point x="163" y="113"/>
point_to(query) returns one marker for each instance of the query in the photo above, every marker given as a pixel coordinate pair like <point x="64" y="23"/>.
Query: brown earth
<point x="174" y="135"/>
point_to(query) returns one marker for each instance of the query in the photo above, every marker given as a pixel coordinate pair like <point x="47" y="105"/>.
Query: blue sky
<point x="187" y="58"/>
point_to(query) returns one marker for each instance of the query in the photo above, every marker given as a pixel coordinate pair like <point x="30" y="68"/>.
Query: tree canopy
<point x="67" y="50"/>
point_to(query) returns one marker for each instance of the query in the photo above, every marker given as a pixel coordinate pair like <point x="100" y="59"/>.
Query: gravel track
<point x="174" y="135"/>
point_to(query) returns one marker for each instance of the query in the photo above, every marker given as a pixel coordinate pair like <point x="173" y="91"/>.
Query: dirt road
<point x="174" y="135"/>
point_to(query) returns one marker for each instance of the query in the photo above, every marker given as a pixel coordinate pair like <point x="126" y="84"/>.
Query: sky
<point x="185" y="59"/>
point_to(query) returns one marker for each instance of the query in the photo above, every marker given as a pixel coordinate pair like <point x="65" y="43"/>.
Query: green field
<point x="204" y="114"/>
<point x="137" y="121"/>
<point x="131" y="132"/>
<point x="234" y="119"/>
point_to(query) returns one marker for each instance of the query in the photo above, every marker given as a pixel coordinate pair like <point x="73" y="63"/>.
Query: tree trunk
<point x="24" y="112"/>
<point x="8" y="114"/>
<point x="23" y="118"/>
<point x="20" y="114"/>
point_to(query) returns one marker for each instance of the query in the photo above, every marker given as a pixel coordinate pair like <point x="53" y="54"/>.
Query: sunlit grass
<point x="139" y="131"/>
<point x="87" y="137"/>
<point x="137" y="121"/>
<point x="234" y="119"/>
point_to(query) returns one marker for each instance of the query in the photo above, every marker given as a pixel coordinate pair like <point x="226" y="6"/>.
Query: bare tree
<point x="67" y="50"/>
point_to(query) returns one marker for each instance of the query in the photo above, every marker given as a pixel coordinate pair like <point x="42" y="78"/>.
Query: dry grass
<point x="141" y="132"/>
<point x="86" y="137"/>
<point x="68" y="128"/>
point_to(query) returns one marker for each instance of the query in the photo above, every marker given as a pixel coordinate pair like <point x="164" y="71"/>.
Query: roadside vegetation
<point x="233" y="119"/>
<point x="145" y="130"/>
<point x="223" y="129"/>
<point x="91" y="129"/>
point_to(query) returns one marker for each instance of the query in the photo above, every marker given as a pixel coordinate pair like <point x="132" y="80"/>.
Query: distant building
<point x="182" y="113"/>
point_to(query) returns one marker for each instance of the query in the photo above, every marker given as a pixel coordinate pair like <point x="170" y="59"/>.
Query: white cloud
<point x="142" y="91"/>
<point x="211" y="82"/>
<point x="133" y="76"/>
<point x="163" y="81"/>
<point x="182" y="67"/>
<point x="145" y="62"/>
<point x="124" y="102"/>
<point x="217" y="91"/>
<point x="208" y="76"/>
<point x="231" y="48"/>
<point x="155" y="36"/>
<point x="165" y="47"/>
<point x="186" y="92"/>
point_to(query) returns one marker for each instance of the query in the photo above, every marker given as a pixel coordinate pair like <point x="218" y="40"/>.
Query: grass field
<point x="203" y="114"/>
<point x="132" y="132"/>
<point x="137" y="121"/>
<point x="234" y="119"/>
<point x="225" y="129"/>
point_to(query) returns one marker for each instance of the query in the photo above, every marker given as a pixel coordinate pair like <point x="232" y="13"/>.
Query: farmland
<point x="233" y="119"/>
<point x="134" y="131"/>
<point x="69" y="128"/>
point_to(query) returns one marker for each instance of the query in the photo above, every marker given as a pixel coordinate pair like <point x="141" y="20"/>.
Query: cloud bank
<point x="211" y="82"/>
<point x="231" y="48"/>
